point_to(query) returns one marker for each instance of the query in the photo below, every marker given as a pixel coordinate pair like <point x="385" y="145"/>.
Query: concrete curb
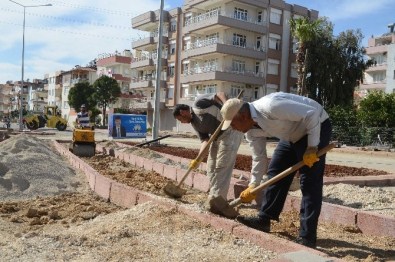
<point x="127" y="196"/>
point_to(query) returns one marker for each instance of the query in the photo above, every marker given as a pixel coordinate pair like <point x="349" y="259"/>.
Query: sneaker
<point x="262" y="224"/>
<point x="306" y="242"/>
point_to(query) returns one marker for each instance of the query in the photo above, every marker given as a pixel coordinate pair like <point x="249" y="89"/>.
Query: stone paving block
<point x="338" y="214"/>
<point x="305" y="256"/>
<point x="131" y="159"/>
<point x="139" y="161"/>
<point x="122" y="195"/>
<point x="148" y="163"/>
<point x="170" y="172"/>
<point x="376" y="224"/>
<point x="103" y="186"/>
<point x="201" y="182"/>
<point x="158" y="167"/>
<point x="188" y="180"/>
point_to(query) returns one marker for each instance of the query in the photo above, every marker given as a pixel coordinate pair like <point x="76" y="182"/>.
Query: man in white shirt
<point x="303" y="127"/>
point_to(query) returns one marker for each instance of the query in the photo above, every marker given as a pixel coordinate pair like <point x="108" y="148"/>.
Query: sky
<point x="74" y="32"/>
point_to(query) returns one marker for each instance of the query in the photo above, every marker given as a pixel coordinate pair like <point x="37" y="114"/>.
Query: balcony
<point x="146" y="82"/>
<point x="112" y="60"/>
<point x="200" y="23"/>
<point x="377" y="68"/>
<point x="210" y="46"/>
<point x="149" y="41"/>
<point x="148" y="20"/>
<point x="371" y="50"/>
<point x="147" y="61"/>
<point x="146" y="103"/>
<point x="202" y="74"/>
<point x="121" y="78"/>
<point x="377" y="85"/>
<point x="75" y="81"/>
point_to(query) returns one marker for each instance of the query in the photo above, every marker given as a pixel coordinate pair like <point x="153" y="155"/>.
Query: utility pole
<point x="156" y="116"/>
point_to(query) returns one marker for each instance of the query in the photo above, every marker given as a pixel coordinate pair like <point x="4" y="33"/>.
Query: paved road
<point x="343" y="156"/>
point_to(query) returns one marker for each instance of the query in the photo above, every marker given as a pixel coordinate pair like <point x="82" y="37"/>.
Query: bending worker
<point x="303" y="127"/>
<point x="205" y="117"/>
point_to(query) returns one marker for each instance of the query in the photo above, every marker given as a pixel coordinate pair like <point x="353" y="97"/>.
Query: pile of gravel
<point x="365" y="198"/>
<point x="31" y="167"/>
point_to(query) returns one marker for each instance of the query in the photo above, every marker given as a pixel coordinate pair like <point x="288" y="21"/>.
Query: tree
<point x="305" y="31"/>
<point x="82" y="93"/>
<point x="335" y="66"/>
<point x="377" y="110"/>
<point x="107" y="91"/>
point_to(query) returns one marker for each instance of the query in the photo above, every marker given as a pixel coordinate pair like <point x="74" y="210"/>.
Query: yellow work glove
<point x="310" y="156"/>
<point x="194" y="164"/>
<point x="246" y="196"/>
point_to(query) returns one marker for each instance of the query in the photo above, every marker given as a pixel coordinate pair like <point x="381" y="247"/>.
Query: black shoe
<point x="262" y="224"/>
<point x="306" y="242"/>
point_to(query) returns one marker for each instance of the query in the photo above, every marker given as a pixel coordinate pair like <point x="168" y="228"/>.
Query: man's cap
<point x="229" y="110"/>
<point x="83" y="105"/>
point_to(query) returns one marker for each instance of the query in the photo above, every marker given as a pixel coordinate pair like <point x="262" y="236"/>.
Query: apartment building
<point x="381" y="76"/>
<point x="7" y="98"/>
<point x="212" y="46"/>
<point x="37" y="95"/>
<point x="117" y="66"/>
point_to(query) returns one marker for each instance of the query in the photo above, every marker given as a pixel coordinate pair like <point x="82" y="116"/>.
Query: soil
<point x="243" y="162"/>
<point x="80" y="226"/>
<point x="337" y="241"/>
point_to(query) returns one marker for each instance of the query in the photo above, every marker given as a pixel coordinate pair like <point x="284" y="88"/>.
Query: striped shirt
<point x="83" y="119"/>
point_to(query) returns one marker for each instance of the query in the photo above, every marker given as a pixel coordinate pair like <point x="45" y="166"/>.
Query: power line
<point x="70" y="32"/>
<point x="95" y="9"/>
<point x="68" y="20"/>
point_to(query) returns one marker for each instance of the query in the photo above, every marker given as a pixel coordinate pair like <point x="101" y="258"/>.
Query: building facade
<point x="380" y="76"/>
<point x="215" y="46"/>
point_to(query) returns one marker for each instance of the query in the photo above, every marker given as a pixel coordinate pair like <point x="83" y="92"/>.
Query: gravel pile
<point x="374" y="199"/>
<point x="29" y="167"/>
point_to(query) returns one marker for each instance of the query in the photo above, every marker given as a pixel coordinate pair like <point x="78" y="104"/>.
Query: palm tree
<point x="305" y="30"/>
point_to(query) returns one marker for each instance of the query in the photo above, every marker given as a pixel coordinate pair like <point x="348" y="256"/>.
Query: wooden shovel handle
<point x="283" y="174"/>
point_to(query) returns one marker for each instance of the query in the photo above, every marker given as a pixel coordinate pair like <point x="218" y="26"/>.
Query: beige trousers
<point x="221" y="160"/>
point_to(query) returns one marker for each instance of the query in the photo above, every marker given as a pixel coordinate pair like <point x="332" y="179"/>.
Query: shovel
<point x="283" y="174"/>
<point x="175" y="190"/>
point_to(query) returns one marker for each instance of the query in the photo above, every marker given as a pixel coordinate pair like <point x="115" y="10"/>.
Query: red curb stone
<point x="231" y="191"/>
<point x="201" y="182"/>
<point x="103" y="186"/>
<point x="122" y="195"/>
<point x="147" y="164"/>
<point x="131" y="159"/>
<point x="170" y="172"/>
<point x="378" y="181"/>
<point x="338" y="214"/>
<point x="376" y="224"/>
<point x="143" y="198"/>
<point x="91" y="177"/>
<point x="188" y="180"/>
<point x="158" y="167"/>
<point x="139" y="161"/>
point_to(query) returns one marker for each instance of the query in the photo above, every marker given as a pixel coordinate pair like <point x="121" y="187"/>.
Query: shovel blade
<point x="174" y="191"/>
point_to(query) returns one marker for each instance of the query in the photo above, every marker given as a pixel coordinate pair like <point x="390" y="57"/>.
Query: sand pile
<point x="31" y="167"/>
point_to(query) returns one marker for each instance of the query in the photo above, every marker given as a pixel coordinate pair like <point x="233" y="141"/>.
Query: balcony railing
<point x="212" y="41"/>
<point x="216" y="13"/>
<point x="213" y="68"/>
<point x="153" y="56"/>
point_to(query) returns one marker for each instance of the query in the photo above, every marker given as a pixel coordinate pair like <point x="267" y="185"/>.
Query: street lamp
<point x="23" y="60"/>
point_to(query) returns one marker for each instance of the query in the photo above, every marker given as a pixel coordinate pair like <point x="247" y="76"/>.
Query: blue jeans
<point x="286" y="155"/>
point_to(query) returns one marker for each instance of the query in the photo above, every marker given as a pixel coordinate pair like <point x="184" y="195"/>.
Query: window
<point x="274" y="41"/>
<point x="259" y="17"/>
<point x="275" y="16"/>
<point x="170" y="92"/>
<point x="239" y="40"/>
<point x="66" y="105"/>
<point x="238" y="66"/>
<point x="257" y="67"/>
<point x="66" y="91"/>
<point x="294" y="70"/>
<point x="172" y="48"/>
<point x="171" y="70"/>
<point x="272" y="67"/>
<point x="210" y="89"/>
<point x="271" y="88"/>
<point x="256" y="93"/>
<point x="173" y="25"/>
<point x="240" y="14"/>
<point x="235" y="90"/>
<point x="258" y="43"/>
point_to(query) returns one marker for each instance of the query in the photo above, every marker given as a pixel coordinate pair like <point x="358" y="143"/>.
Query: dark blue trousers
<point x="286" y="155"/>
